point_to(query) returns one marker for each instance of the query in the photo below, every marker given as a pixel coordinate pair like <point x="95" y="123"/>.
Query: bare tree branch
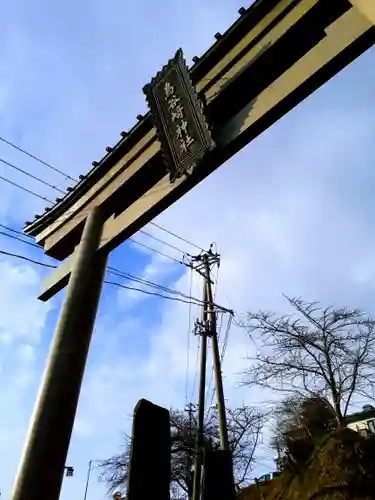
<point x="245" y="425"/>
<point x="315" y="351"/>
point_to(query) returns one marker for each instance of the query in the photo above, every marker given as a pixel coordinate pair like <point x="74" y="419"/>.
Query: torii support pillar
<point x="41" y="468"/>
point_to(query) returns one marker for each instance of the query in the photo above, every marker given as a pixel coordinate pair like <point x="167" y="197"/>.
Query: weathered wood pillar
<point x="41" y="469"/>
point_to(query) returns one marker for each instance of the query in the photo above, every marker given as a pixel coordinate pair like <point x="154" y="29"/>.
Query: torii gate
<point x="275" y="55"/>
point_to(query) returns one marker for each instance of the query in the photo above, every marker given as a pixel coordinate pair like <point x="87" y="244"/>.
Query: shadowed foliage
<point x="301" y="426"/>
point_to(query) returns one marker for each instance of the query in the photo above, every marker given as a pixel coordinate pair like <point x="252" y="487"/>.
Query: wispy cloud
<point x="292" y="212"/>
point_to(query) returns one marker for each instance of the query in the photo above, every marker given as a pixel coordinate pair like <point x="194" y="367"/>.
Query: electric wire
<point x="143" y="281"/>
<point x="18" y="148"/>
<point x="67" y="176"/>
<point x="10" y="254"/>
<point x="5" y="179"/>
<point x="130" y="239"/>
<point x="115" y="271"/>
<point x="19" y="239"/>
<point x="151" y="293"/>
<point x="156" y="251"/>
<point x="193" y="300"/>
<point x="75" y="180"/>
<point x="16" y="231"/>
<point x="11" y="165"/>
<point x="188" y="340"/>
<point x="162" y="241"/>
<point x="181" y="296"/>
<point x="177" y="236"/>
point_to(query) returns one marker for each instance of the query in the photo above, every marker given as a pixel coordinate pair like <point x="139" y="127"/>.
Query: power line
<point x="161" y="241"/>
<point x="226" y="337"/>
<point x="25" y="189"/>
<point x="115" y="271"/>
<point x="176" y="236"/>
<point x="27" y="259"/>
<point x="143" y="281"/>
<point x="16" y="232"/>
<point x="171" y="291"/>
<point x="177" y="299"/>
<point x="37" y="159"/>
<point x="188" y="341"/>
<point x="11" y="165"/>
<point x="19" y="239"/>
<point x="112" y="270"/>
<point x="154" y="250"/>
<point x="187" y="299"/>
<point x="153" y="293"/>
<point x="130" y="239"/>
<point x="75" y="180"/>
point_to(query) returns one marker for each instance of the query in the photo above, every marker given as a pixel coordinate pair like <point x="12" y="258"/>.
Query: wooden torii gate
<point x="275" y="55"/>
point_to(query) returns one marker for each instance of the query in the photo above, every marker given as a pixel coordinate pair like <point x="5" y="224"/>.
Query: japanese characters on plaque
<point x="178" y="117"/>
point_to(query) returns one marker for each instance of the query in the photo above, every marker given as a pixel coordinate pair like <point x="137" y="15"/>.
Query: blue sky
<point x="293" y="212"/>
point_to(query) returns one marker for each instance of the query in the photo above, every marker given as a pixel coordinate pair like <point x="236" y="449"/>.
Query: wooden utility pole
<point x="201" y="328"/>
<point x="208" y="260"/>
<point x="203" y="264"/>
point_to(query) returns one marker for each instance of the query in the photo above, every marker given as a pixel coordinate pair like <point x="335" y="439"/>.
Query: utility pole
<point x="190" y="409"/>
<point x="203" y="264"/>
<point x="88" y="479"/>
<point x="201" y="328"/>
<point x="209" y="259"/>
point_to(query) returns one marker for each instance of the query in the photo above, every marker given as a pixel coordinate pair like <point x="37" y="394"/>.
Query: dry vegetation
<point x="342" y="468"/>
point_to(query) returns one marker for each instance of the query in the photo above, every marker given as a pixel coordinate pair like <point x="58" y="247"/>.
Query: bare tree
<point x="244" y="428"/>
<point x="115" y="470"/>
<point x="315" y="352"/>
<point x="244" y="432"/>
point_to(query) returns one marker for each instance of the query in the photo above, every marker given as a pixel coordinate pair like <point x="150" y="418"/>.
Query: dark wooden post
<point x="150" y="454"/>
<point x="218" y="476"/>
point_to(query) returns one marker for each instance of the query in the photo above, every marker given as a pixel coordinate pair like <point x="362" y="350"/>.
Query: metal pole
<point x="88" y="479"/>
<point x="41" y="468"/>
<point x="202" y="389"/>
<point x="223" y="429"/>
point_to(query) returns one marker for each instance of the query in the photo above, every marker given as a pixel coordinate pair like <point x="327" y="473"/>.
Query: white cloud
<point x="26" y="353"/>
<point x="22" y="316"/>
<point x="291" y="213"/>
<point x="22" y="319"/>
